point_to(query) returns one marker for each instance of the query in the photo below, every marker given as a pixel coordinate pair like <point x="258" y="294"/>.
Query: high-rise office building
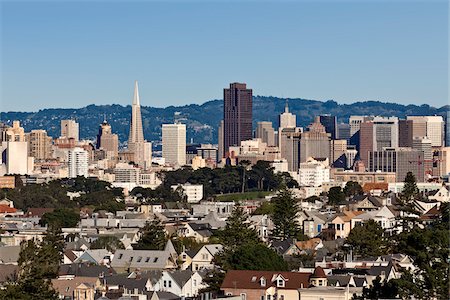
<point x="338" y="151"/>
<point x="376" y="135"/>
<point x="39" y="144"/>
<point x="400" y="160"/>
<point x="290" y="146"/>
<point x="237" y="115"/>
<point x="78" y="160"/>
<point x="15" y="157"/>
<point x="107" y="140"/>
<point x="136" y="137"/>
<point x="343" y="131"/>
<point x="355" y="123"/>
<point x="265" y="132"/>
<point x="287" y="119"/>
<point x="424" y="144"/>
<point x="174" y="144"/>
<point x="15" y="133"/>
<point x="315" y="142"/>
<point x="70" y="129"/>
<point x="330" y="124"/>
<point x="447" y="129"/>
<point x="405" y="133"/>
<point x="220" y="146"/>
<point x="431" y="127"/>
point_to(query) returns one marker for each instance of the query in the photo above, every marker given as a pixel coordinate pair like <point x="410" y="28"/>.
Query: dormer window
<point x="280" y="282"/>
<point x="262" y="281"/>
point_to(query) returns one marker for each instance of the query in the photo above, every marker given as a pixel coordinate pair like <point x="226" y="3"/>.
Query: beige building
<point x="15" y="133"/>
<point x="174" y="144"/>
<point x="108" y="141"/>
<point x="39" y="144"/>
<point x="431" y="127"/>
<point x="265" y="132"/>
<point x="70" y="129"/>
<point x="341" y="176"/>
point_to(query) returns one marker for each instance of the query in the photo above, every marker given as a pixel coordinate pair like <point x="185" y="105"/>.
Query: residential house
<point x="185" y="258"/>
<point x="262" y="224"/>
<point x="312" y="222"/>
<point x="203" y="259"/>
<point x="383" y="216"/>
<point x="257" y="285"/>
<point x="77" y="288"/>
<point x="441" y="195"/>
<point x="285" y="248"/>
<point x="95" y="256"/>
<point x="183" y="283"/>
<point x="130" y="260"/>
<point x="199" y="232"/>
<point x="342" y="223"/>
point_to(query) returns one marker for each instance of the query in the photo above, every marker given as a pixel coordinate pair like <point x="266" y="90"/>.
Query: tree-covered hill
<point x="202" y="120"/>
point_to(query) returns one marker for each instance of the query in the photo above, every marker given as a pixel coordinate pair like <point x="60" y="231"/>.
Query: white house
<point x="183" y="283"/>
<point x="192" y="192"/>
<point x="313" y="172"/>
<point x="204" y="257"/>
<point x="383" y="216"/>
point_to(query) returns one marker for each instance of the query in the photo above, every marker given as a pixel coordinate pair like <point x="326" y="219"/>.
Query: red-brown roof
<point x="375" y="186"/>
<point x="6" y="209"/>
<point x="244" y="279"/>
<point x="38" y="211"/>
<point x="319" y="273"/>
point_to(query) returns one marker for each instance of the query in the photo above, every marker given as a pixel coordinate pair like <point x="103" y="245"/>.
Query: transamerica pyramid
<point x="136" y="137"/>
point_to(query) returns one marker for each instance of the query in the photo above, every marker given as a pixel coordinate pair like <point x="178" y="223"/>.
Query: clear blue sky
<point x="72" y="54"/>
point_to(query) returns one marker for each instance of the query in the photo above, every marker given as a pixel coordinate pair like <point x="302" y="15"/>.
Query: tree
<point x="284" y="217"/>
<point x="38" y="264"/>
<point x="61" y="217"/>
<point x="153" y="236"/>
<point x="252" y="256"/>
<point x="244" y="165"/>
<point x="336" y="196"/>
<point x="368" y="239"/>
<point x="410" y="190"/>
<point x="379" y="290"/>
<point x="352" y="188"/>
<point x="109" y="242"/>
<point x="237" y="232"/>
<point x="266" y="208"/>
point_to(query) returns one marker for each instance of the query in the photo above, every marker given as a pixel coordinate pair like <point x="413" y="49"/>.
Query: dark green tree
<point x="368" y="239"/>
<point x="336" y="196"/>
<point x="61" y="217"/>
<point x="284" y="217"/>
<point x="109" y="242"/>
<point x="237" y="232"/>
<point x="252" y="256"/>
<point x="352" y="188"/>
<point x="379" y="290"/>
<point x="153" y="236"/>
<point x="38" y="264"/>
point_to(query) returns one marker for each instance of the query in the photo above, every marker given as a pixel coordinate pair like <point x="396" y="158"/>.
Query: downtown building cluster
<point x="374" y="152"/>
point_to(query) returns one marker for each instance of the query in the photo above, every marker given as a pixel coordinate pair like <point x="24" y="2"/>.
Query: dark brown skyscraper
<point x="237" y="115"/>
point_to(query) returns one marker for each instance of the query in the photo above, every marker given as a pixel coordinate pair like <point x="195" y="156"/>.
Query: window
<point x="131" y="258"/>
<point x="155" y="259"/>
<point x="147" y="259"/>
<point x="120" y="256"/>
<point x="243" y="296"/>
<point x="139" y="259"/>
<point x="170" y="283"/>
<point x="281" y="297"/>
<point x="263" y="281"/>
<point x="195" y="282"/>
<point x="320" y="282"/>
<point x="280" y="283"/>
<point x="205" y="256"/>
<point x="165" y="283"/>
<point x="184" y="256"/>
<point x="269" y="297"/>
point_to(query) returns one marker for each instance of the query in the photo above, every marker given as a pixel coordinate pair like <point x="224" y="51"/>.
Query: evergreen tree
<point x="110" y="243"/>
<point x="153" y="236"/>
<point x="284" y="216"/>
<point x="237" y="232"/>
<point x="38" y="264"/>
<point x="336" y="196"/>
<point x="368" y="239"/>
<point x="352" y="188"/>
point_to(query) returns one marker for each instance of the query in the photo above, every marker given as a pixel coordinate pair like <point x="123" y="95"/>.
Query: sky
<point x="72" y="54"/>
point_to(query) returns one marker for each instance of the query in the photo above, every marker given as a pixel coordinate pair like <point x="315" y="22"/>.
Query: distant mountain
<point x="202" y="120"/>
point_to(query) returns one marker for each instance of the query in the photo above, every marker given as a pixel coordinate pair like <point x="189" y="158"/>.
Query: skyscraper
<point x="431" y="127"/>
<point x="107" y="140"/>
<point x="237" y="114"/>
<point x="376" y="135"/>
<point x="330" y="124"/>
<point x="136" y="137"/>
<point x="70" y="129"/>
<point x="405" y="133"/>
<point x="315" y="142"/>
<point x="287" y="119"/>
<point x="265" y="132"/>
<point x="39" y="144"/>
<point x="78" y="162"/>
<point x="220" y="150"/>
<point x="174" y="144"/>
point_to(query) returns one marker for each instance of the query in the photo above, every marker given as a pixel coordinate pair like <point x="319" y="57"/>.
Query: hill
<point x="202" y="120"/>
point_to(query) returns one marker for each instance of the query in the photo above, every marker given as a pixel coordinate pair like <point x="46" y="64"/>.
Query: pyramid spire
<point x="136" y="94"/>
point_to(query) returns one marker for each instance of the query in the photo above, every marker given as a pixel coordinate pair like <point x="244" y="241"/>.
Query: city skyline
<point x="292" y="50"/>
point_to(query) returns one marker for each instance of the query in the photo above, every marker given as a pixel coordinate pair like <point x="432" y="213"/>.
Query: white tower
<point x="136" y="137"/>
